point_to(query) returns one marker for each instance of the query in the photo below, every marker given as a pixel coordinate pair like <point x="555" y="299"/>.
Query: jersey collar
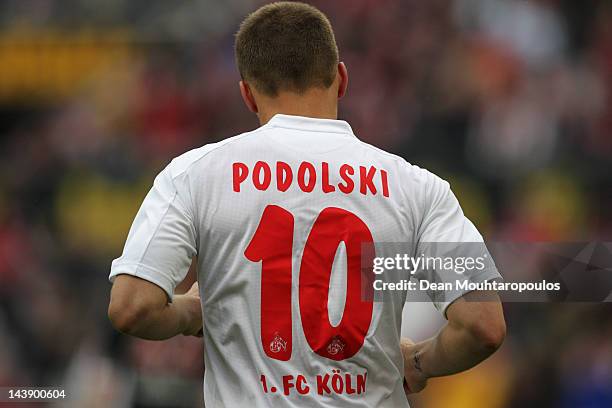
<point x="310" y="124"/>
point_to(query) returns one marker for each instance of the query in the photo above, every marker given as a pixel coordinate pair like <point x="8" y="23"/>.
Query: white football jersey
<point x="277" y="218"/>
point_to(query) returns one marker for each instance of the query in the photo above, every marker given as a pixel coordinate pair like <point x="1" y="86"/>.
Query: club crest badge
<point x="336" y="345"/>
<point x="278" y="344"/>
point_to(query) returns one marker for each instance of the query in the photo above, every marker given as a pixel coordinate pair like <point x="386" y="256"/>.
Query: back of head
<point x="286" y="46"/>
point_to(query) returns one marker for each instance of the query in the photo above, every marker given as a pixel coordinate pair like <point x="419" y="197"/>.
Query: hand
<point x="193" y="308"/>
<point x="414" y="378"/>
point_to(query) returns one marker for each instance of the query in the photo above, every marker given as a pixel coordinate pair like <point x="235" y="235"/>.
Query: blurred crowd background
<point x="510" y="100"/>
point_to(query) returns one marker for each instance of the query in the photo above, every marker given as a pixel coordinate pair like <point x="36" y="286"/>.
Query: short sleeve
<point x="450" y="242"/>
<point x="162" y="240"/>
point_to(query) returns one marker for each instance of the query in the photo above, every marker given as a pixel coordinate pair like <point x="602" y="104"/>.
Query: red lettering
<point x="361" y="383"/>
<point x="240" y="173"/>
<point x="284" y="176"/>
<point x="385" y="183"/>
<point x="336" y="382"/>
<point x="327" y="188"/>
<point x="287" y="384"/>
<point x="301" y="385"/>
<point x="349" y="386"/>
<point x="267" y="175"/>
<point x="366" y="180"/>
<point x="270" y="245"/>
<point x="346" y="171"/>
<point x="306" y="175"/>
<point x="344" y="340"/>
<point x="312" y="177"/>
<point x="264" y="383"/>
<point x="322" y="384"/>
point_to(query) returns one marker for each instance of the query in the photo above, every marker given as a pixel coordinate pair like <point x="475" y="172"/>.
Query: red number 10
<point x="272" y="245"/>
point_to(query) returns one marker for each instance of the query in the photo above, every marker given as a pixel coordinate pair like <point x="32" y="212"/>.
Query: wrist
<point x="415" y="378"/>
<point x="416" y="360"/>
<point x="414" y="356"/>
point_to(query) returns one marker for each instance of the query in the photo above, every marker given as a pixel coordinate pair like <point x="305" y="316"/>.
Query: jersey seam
<point x="485" y="275"/>
<point x="227" y="143"/>
<point x="381" y="151"/>
<point x="193" y="163"/>
<point x="434" y="240"/>
<point x="314" y="131"/>
<point x="179" y="207"/>
<point x="426" y="211"/>
<point x="159" y="278"/>
<point x="300" y="151"/>
<point x="157" y="226"/>
<point x="185" y="171"/>
<point x="139" y="264"/>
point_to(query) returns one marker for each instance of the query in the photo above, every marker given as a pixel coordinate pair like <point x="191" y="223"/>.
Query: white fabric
<point x="193" y="209"/>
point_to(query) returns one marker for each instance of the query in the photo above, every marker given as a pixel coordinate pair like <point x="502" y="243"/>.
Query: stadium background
<point x="509" y="100"/>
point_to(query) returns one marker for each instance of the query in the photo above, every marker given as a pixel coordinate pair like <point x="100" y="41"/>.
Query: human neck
<point x="313" y="104"/>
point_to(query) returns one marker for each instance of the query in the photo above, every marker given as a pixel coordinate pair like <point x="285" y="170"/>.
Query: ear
<point x="343" y="74"/>
<point x="247" y="97"/>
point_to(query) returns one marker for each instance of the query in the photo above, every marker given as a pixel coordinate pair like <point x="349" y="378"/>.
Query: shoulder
<point x="411" y="174"/>
<point x="181" y="164"/>
<point x="381" y="153"/>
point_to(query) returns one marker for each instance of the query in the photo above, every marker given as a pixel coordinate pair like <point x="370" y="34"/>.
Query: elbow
<point x="489" y="334"/>
<point x="126" y="316"/>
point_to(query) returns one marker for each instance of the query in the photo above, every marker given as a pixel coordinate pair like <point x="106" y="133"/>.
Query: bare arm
<point x="475" y="330"/>
<point x="142" y="309"/>
<point x="190" y="279"/>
